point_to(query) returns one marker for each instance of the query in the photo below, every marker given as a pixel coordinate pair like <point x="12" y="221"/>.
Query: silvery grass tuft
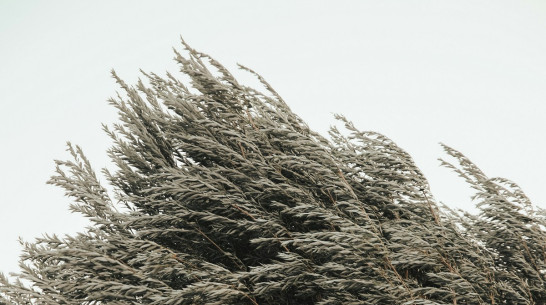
<point x="222" y="195"/>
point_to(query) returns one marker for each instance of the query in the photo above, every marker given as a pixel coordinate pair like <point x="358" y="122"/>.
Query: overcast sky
<point x="471" y="74"/>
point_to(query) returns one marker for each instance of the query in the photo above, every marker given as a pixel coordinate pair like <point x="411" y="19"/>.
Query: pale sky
<point x="471" y="74"/>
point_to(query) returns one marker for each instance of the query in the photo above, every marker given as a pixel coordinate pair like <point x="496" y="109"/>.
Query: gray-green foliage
<point x="224" y="196"/>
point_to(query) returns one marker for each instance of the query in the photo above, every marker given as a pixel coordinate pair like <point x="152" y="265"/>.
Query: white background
<point x="470" y="74"/>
